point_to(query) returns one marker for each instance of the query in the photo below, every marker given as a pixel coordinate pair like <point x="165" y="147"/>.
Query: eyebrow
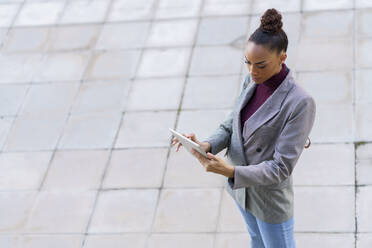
<point x="257" y="62"/>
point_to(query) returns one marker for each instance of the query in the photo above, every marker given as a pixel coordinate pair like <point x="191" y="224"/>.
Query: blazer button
<point x="258" y="149"/>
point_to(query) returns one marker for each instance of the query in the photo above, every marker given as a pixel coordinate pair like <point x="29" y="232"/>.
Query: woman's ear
<point x="283" y="56"/>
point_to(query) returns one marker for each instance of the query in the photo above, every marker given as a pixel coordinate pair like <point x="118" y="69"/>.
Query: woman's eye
<point x="246" y="62"/>
<point x="261" y="67"/>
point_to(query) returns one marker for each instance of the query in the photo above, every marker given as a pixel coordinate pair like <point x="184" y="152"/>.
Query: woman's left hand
<point x="214" y="164"/>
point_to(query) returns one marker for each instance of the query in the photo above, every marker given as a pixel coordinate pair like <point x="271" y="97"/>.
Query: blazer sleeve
<point x="288" y="149"/>
<point x="220" y="138"/>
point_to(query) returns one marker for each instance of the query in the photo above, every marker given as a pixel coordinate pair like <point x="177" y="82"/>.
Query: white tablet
<point x="188" y="143"/>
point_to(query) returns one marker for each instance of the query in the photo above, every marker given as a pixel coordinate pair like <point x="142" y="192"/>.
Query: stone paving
<point x="89" y="88"/>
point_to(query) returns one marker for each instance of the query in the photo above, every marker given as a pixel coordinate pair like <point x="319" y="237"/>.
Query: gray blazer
<point x="265" y="151"/>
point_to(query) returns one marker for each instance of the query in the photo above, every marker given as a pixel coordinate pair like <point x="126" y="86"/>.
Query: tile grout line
<point x="179" y="232"/>
<point x="8" y="28"/>
<point x="82" y="78"/>
<point x="186" y="75"/>
<point x="180" y="18"/>
<point x="353" y="130"/>
<point x="110" y="149"/>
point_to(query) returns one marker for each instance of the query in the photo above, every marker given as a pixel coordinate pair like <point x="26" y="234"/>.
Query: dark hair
<point x="270" y="33"/>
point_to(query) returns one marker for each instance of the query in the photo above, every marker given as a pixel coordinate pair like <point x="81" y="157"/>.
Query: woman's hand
<point x="212" y="163"/>
<point x="204" y="145"/>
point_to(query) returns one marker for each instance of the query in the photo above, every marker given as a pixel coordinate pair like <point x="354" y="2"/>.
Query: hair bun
<point x="271" y="21"/>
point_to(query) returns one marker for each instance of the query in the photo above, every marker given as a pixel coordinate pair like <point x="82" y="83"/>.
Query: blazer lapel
<point x="265" y="112"/>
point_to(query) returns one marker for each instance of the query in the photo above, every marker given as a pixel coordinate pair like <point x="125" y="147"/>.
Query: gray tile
<point x="56" y="241"/>
<point x="321" y="160"/>
<point x="218" y="60"/>
<point x="320" y="84"/>
<point x="178" y="9"/>
<point x="124" y="211"/>
<point x="319" y="209"/>
<point x="116" y="240"/>
<point x="39" y="13"/>
<point x="155" y="94"/>
<point x="113" y="65"/>
<point x="172" y="33"/>
<point x="363" y="164"/>
<point x="3" y="35"/>
<point x="333" y="123"/>
<point x="362" y="58"/>
<point x="340" y="26"/>
<point x="184" y="170"/>
<point x="226" y="7"/>
<point x="123" y="35"/>
<point x="363" y="3"/>
<point x="170" y="217"/>
<point x="65" y="66"/>
<point x="222" y="30"/>
<point x="9" y="240"/>
<point x="7" y="13"/>
<point x="5" y="125"/>
<point x="363" y="118"/>
<point x="37" y="39"/>
<point x="76" y="170"/>
<point x="211" y="92"/>
<point x="233" y="240"/>
<point x="364" y="240"/>
<point x="84" y="11"/>
<point x="19" y="68"/>
<point x="259" y="7"/>
<point x="230" y="219"/>
<point x="23" y="171"/>
<point x="363" y="87"/>
<point x="11" y="98"/>
<point x="14" y="210"/>
<point x="364" y="202"/>
<point x="363" y="18"/>
<point x="308" y="240"/>
<point x="101" y="96"/>
<point x="136" y="168"/>
<point x="338" y="51"/>
<point x="122" y="10"/>
<point x="180" y="240"/>
<point x="90" y="130"/>
<point x="164" y="62"/>
<point x="310" y="5"/>
<point x="49" y="98"/>
<point x="75" y="206"/>
<point x="65" y="38"/>
<point x="35" y="132"/>
<point x="144" y="129"/>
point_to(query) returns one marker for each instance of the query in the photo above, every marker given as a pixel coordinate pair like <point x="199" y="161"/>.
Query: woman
<point x="265" y="135"/>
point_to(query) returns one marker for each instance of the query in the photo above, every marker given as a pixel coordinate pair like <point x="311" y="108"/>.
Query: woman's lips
<point x="255" y="79"/>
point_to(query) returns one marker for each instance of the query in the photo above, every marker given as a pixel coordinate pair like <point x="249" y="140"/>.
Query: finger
<point x="178" y="147"/>
<point x="174" y="141"/>
<point x="211" y="156"/>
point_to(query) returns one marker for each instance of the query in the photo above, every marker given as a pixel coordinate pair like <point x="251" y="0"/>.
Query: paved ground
<point x="88" y="90"/>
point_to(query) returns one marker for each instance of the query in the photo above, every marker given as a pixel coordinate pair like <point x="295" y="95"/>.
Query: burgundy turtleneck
<point x="261" y="93"/>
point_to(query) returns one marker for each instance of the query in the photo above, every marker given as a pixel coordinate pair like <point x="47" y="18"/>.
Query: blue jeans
<point x="267" y="235"/>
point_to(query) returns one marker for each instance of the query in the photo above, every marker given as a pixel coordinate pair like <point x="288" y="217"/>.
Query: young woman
<point x="265" y="135"/>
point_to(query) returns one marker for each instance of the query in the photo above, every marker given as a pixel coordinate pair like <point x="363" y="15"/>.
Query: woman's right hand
<point x="204" y="145"/>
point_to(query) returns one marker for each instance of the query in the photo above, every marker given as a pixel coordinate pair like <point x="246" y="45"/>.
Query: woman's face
<point x="261" y="62"/>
